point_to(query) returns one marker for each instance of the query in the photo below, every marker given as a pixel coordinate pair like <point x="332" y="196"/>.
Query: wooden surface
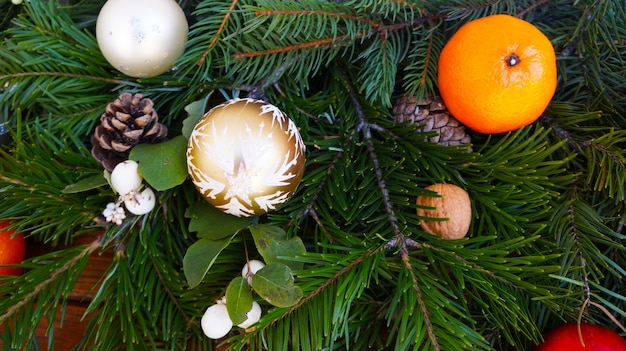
<point x="71" y="331"/>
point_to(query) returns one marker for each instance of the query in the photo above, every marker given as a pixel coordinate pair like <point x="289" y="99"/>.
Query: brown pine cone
<point x="127" y="121"/>
<point x="431" y="114"/>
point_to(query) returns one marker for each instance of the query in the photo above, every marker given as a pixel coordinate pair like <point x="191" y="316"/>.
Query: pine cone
<point x="128" y="121"/>
<point x="431" y="114"/>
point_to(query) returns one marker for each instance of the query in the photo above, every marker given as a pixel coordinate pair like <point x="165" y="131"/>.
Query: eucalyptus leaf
<point x="195" y="112"/>
<point x="162" y="165"/>
<point x="238" y="300"/>
<point x="211" y="223"/>
<point x="272" y="244"/>
<point x="274" y="283"/>
<point x="199" y="258"/>
<point x="86" y="184"/>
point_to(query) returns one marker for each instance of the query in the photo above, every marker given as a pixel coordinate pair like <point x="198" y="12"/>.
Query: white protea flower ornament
<point x="246" y="157"/>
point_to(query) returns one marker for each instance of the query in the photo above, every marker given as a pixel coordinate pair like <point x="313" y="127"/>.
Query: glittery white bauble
<point x="246" y="157"/>
<point x="141" y="38"/>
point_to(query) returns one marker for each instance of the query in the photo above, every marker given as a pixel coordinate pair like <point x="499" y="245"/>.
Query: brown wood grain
<point x="70" y="331"/>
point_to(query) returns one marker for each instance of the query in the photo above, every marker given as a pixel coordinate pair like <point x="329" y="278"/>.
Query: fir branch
<point x="37" y="171"/>
<point x="296" y="12"/>
<point x="531" y="8"/>
<point x="41" y="292"/>
<point x="576" y="237"/>
<point x="327" y="42"/>
<point x="598" y="60"/>
<point x="338" y="275"/>
<point x="324" y="284"/>
<point x="217" y="35"/>
<point x="330" y="168"/>
<point x="420" y="300"/>
<point x="9" y="77"/>
<point x="427" y="63"/>
<point x="67" y="266"/>
<point x="420" y="73"/>
<point x="168" y="291"/>
<point x="606" y="160"/>
<point x="546" y="201"/>
<point x="468" y="8"/>
<point x="365" y="126"/>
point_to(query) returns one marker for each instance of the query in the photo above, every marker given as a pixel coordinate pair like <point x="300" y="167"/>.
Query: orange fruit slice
<point x="497" y="74"/>
<point x="12" y="249"/>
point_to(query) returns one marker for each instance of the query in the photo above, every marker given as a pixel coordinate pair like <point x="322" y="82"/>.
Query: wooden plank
<point x="69" y="331"/>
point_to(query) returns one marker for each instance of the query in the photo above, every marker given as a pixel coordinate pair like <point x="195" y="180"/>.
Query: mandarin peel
<point x="497" y="74"/>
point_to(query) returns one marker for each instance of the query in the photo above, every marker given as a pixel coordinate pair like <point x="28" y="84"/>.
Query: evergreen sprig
<point x="546" y="244"/>
<point x="41" y="295"/>
<point x="41" y="166"/>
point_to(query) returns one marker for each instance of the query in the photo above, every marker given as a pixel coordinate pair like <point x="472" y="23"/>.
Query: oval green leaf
<point x="86" y="184"/>
<point x="195" y="112"/>
<point x="238" y="300"/>
<point x="199" y="258"/>
<point x="211" y="223"/>
<point x="272" y="244"/>
<point x="274" y="283"/>
<point x="162" y="165"/>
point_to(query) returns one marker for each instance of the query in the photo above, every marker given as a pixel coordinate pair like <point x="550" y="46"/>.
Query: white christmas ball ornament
<point x="125" y="177"/>
<point x="246" y="157"/>
<point x="215" y="322"/>
<point x="142" y="203"/>
<point x="141" y="38"/>
<point x="254" y="315"/>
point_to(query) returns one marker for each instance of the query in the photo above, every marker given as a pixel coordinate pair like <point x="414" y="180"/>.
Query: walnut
<point x="453" y="206"/>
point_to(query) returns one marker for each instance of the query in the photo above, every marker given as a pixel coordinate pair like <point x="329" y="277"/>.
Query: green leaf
<point x="238" y="300"/>
<point x="211" y="223"/>
<point x="274" y="283"/>
<point x="162" y="165"/>
<point x="272" y="244"/>
<point x="86" y="184"/>
<point x="195" y="111"/>
<point x="199" y="258"/>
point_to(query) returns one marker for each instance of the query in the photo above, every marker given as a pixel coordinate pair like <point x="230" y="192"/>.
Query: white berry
<point x="253" y="316"/>
<point x="215" y="322"/>
<point x="126" y="178"/>
<point x="142" y="203"/>
<point x="17" y="2"/>
<point x="250" y="269"/>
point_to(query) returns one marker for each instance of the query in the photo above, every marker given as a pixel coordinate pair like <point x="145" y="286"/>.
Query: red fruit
<point x="12" y="249"/>
<point x="596" y="338"/>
